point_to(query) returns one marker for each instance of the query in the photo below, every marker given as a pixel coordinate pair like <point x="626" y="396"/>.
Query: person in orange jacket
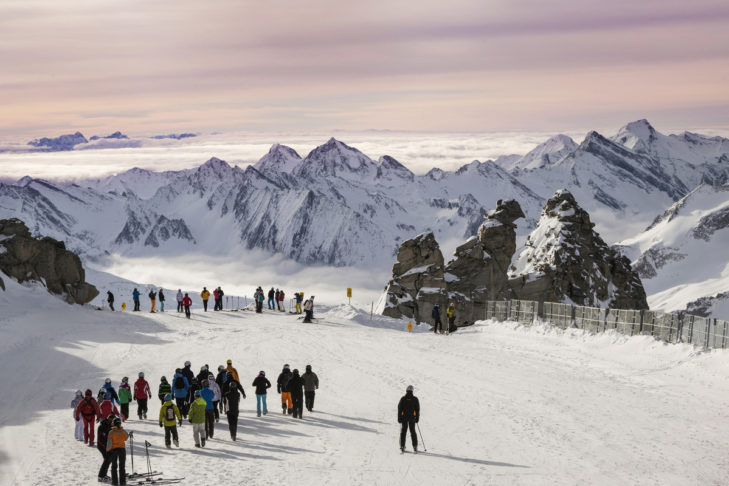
<point x="115" y="447"/>
<point x="232" y="370"/>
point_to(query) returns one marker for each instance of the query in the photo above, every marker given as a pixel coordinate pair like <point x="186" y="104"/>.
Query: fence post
<point x="708" y="332"/>
<point x="723" y="337"/>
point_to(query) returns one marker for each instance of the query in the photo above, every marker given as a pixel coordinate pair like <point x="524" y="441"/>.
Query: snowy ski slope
<point x="501" y="403"/>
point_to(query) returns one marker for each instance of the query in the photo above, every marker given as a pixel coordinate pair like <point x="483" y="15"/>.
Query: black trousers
<point x="170" y="430"/>
<point x="179" y="306"/>
<point x="209" y="423"/>
<point x="404" y="430"/>
<point x="141" y="407"/>
<point x="111" y="305"/>
<point x="104" y="469"/>
<point x="136" y="305"/>
<point x="298" y="400"/>
<point x="309" y="396"/>
<point x="215" y="409"/>
<point x="182" y="406"/>
<point x="233" y="422"/>
<point x="309" y="315"/>
<point x="205" y="305"/>
<point x="438" y="326"/>
<point x="118" y="460"/>
<point x="125" y="410"/>
<point x="187" y="311"/>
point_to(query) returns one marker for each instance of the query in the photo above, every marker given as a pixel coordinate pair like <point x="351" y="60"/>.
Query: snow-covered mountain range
<point x="340" y="207"/>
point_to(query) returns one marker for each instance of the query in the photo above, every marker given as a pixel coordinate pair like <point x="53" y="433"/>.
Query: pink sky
<point x="319" y="65"/>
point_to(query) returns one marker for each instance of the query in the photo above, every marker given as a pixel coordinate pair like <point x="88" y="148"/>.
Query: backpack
<point x="179" y="383"/>
<point x="285" y="378"/>
<point x="170" y="413"/>
<point x="87" y="408"/>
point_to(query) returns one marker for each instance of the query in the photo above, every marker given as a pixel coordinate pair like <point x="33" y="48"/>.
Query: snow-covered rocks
<point x="64" y="142"/>
<point x="565" y="260"/>
<point x="44" y="260"/>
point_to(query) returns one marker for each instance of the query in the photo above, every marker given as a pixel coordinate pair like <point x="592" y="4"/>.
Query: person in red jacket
<point x="88" y="409"/>
<point x="141" y="394"/>
<point x="107" y="407"/>
<point x="187" y="302"/>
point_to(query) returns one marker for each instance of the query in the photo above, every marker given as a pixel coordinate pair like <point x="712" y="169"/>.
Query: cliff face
<point x="564" y="260"/>
<point x="43" y="260"/>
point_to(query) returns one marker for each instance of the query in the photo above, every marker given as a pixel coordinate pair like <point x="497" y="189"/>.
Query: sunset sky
<point x="320" y="65"/>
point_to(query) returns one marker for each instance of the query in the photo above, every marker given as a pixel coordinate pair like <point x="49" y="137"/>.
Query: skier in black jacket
<point x="110" y="299"/>
<point x="297" y="393"/>
<point x="282" y="386"/>
<point x="437" y="325"/>
<point x="230" y="392"/>
<point x="408" y="414"/>
<point x="220" y="380"/>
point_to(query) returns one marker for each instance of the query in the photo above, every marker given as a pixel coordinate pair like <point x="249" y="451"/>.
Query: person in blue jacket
<point x="209" y="397"/>
<point x="135" y="295"/>
<point x="110" y="388"/>
<point x="180" y="387"/>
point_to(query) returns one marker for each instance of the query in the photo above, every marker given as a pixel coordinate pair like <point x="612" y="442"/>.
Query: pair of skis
<point x="149" y="477"/>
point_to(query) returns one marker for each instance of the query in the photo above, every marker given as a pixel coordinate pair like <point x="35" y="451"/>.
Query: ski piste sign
<point x="349" y="292"/>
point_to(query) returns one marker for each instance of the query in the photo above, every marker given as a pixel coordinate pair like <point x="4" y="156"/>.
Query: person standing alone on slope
<point x="180" y="296"/>
<point x="205" y="295"/>
<point x="135" y="296"/>
<point x="408" y="414"/>
<point x="110" y="299"/>
<point x="435" y="314"/>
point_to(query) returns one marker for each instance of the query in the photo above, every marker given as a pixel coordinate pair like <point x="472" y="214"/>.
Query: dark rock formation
<point x="417" y="280"/>
<point x="64" y="142"/>
<point x="43" y="260"/>
<point x="565" y="260"/>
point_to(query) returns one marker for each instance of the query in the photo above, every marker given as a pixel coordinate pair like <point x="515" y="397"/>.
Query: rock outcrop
<point x="43" y="260"/>
<point x="565" y="260"/>
<point x="418" y="281"/>
<point x="478" y="272"/>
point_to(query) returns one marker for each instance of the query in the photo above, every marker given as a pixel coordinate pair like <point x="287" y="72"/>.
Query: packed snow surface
<point x="501" y="403"/>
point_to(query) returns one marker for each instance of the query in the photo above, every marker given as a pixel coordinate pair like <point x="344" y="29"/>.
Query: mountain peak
<point x="279" y="158"/>
<point x="336" y="158"/>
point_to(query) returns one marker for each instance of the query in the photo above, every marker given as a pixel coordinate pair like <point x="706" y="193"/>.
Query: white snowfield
<point x="500" y="403"/>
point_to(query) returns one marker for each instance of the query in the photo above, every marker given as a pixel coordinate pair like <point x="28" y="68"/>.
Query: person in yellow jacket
<point x="451" y="313"/>
<point x="233" y="370"/>
<point x="205" y="295"/>
<point x="115" y="447"/>
<point x="167" y="413"/>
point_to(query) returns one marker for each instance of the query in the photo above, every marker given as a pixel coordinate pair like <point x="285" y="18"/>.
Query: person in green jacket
<point x="167" y="413"/>
<point x="164" y="389"/>
<point x="197" y="419"/>
<point x="125" y="397"/>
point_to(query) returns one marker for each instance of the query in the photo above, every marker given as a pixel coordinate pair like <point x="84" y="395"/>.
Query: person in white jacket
<point x="79" y="431"/>
<point x="213" y="385"/>
<point x="179" y="300"/>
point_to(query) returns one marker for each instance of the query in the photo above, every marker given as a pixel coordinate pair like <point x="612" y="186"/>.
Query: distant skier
<point x="308" y="310"/>
<point x="180" y="390"/>
<point x="197" y="419"/>
<point x="79" y="429"/>
<point x="135" y="296"/>
<point x="164" y="389"/>
<point x="204" y="295"/>
<point x="209" y="397"/>
<point x="110" y="299"/>
<point x="262" y="384"/>
<point x="295" y="386"/>
<point x="282" y="386"/>
<point x="271" y="297"/>
<point x="232" y="397"/>
<point x="187" y="302"/>
<point x="408" y="414"/>
<point x="169" y="417"/>
<point x="141" y="394"/>
<point x="125" y="396"/>
<point x="311" y="384"/>
<point x="299" y="296"/>
<point x="259" y="300"/>
<point x="88" y="410"/>
<point x="280" y="300"/>
<point x="116" y="448"/>
<point x="102" y="434"/>
<point x="152" y="298"/>
<point x="435" y="314"/>
<point x="161" y="301"/>
<point x="215" y="299"/>
<point x="221" y="294"/>
<point x="179" y="296"/>
<point x="451" y="313"/>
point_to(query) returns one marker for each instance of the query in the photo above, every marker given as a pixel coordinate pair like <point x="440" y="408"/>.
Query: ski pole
<point x="146" y="450"/>
<point x="425" y="449"/>
<point x="131" y="448"/>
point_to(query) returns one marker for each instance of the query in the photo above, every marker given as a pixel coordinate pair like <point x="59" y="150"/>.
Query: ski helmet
<point x="230" y="361"/>
<point x="197" y="393"/>
<point x="163" y="379"/>
<point x="221" y="368"/>
<point x="79" y="393"/>
<point x="141" y="374"/>
<point x="262" y="373"/>
<point x="117" y="422"/>
<point x="125" y="379"/>
<point x="211" y="377"/>
<point x="88" y="392"/>
<point x="107" y="381"/>
<point x="308" y="367"/>
<point x="409" y="388"/>
<point x="296" y="372"/>
<point x="187" y="363"/>
<point x="286" y="367"/>
<point x="168" y="398"/>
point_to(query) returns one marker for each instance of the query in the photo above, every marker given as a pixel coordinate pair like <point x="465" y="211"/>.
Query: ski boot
<point x="177" y="443"/>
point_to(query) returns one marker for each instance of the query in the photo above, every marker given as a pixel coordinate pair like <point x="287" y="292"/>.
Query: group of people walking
<point x="200" y="399"/>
